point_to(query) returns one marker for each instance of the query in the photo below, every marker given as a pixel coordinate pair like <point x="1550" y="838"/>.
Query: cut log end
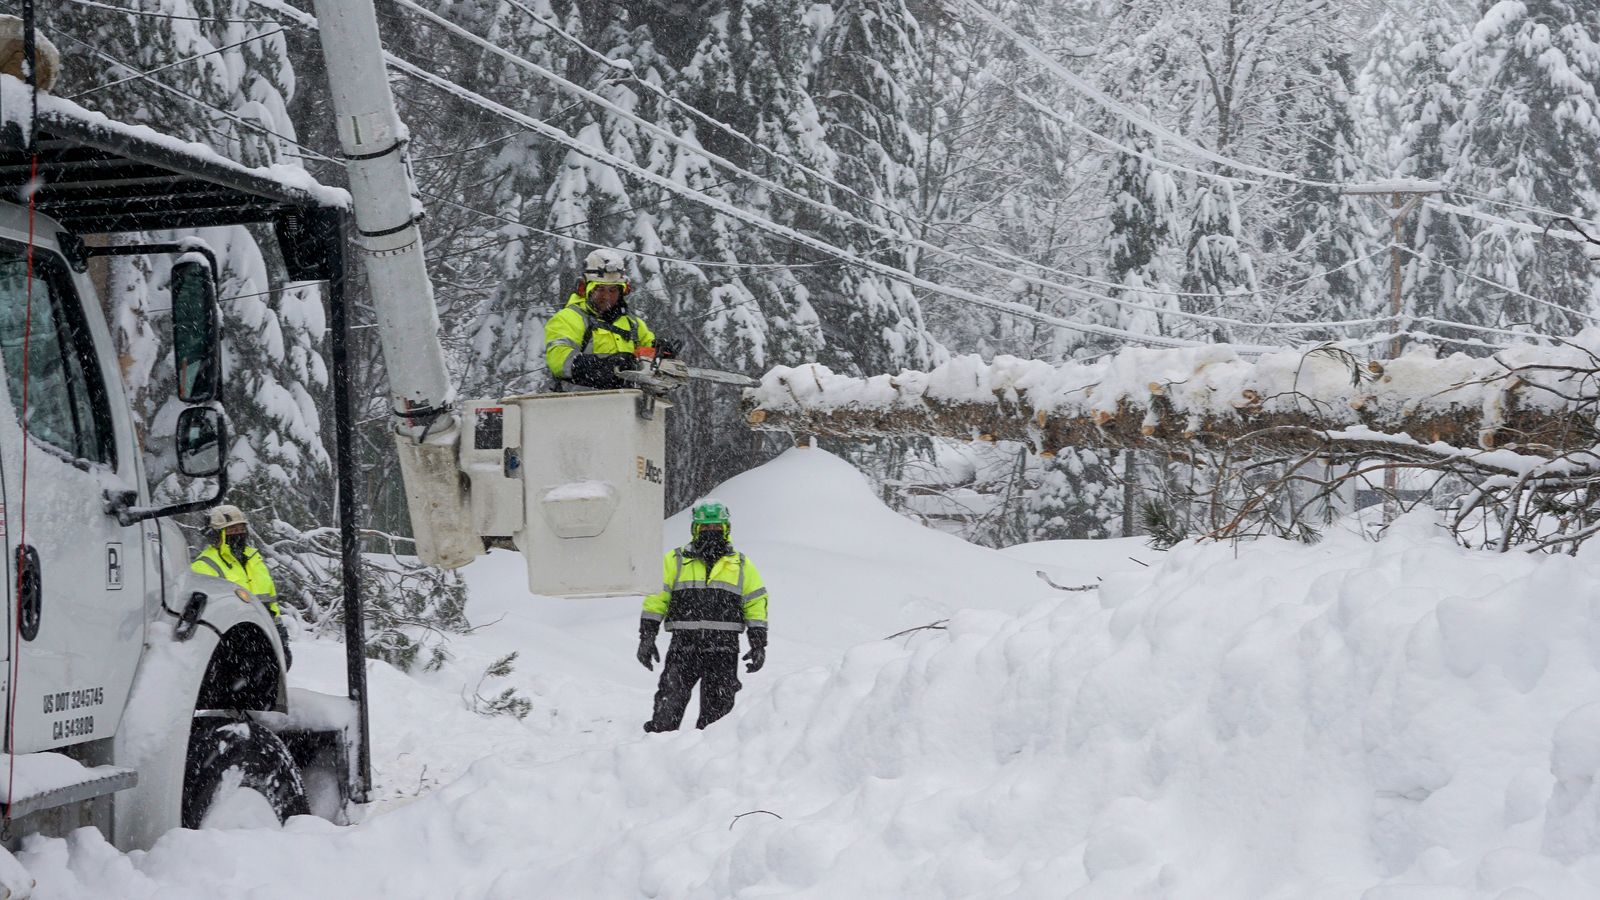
<point x="756" y="417"/>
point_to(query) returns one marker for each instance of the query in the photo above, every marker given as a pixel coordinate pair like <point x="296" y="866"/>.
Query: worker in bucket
<point x="709" y="594"/>
<point x="230" y="556"/>
<point x="594" y="336"/>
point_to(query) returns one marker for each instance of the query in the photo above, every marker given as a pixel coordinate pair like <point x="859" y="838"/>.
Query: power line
<point x="565" y="237"/>
<point x="148" y="72"/>
<point x="160" y="15"/>
<point x="1067" y="120"/>
<point x="588" y="95"/>
<point x="139" y="76"/>
<point x="1521" y="207"/>
<point x="1163" y="292"/>
<point x="1498" y="286"/>
<point x="1133" y="117"/>
<point x="1502" y="222"/>
<point x="606" y="158"/>
<point x="699" y="196"/>
<point x="623" y="66"/>
<point x="311" y="22"/>
<point x="1122" y="110"/>
<point x="571" y="88"/>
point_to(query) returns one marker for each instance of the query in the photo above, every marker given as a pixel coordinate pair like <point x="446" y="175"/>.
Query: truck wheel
<point x="234" y="765"/>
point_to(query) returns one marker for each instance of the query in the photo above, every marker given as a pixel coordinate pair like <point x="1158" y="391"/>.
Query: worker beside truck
<point x="230" y="556"/>
<point x="594" y="337"/>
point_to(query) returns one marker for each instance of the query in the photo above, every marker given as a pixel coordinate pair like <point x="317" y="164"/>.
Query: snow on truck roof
<point x="99" y="175"/>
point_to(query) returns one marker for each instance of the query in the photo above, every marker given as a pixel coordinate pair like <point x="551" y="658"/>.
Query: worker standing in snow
<point x="230" y="556"/>
<point x="709" y="594"/>
<point x="594" y="336"/>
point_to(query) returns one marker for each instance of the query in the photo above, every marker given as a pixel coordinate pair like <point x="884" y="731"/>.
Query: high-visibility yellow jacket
<point x="730" y="597"/>
<point x="251" y="574"/>
<point x="578" y="329"/>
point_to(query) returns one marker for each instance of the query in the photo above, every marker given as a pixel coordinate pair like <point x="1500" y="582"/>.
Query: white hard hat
<point x="604" y="265"/>
<point x="226" y="515"/>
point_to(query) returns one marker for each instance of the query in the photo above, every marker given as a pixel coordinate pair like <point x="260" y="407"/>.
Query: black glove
<point x="647" y="643"/>
<point x="283" y="638"/>
<point x="666" y="349"/>
<point x="599" y="371"/>
<point x="758" y="649"/>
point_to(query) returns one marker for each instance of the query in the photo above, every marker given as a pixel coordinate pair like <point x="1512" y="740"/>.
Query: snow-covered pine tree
<point x="1426" y="145"/>
<point x="1217" y="266"/>
<point x="742" y="310"/>
<point x="1079" y="496"/>
<point x="868" y="52"/>
<point x="1530" y="140"/>
<point x="1142" y="242"/>
<point x="1326" y="237"/>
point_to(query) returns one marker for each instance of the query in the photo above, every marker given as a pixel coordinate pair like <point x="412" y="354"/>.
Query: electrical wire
<point x="695" y="112"/>
<point x="532" y="229"/>
<point x="189" y="59"/>
<point x="1121" y="110"/>
<point x="827" y="209"/>
<point x="1502" y="222"/>
<point x="843" y="256"/>
<point x="1044" y="109"/>
<point x="740" y="136"/>
<point x="604" y="157"/>
<point x="1498" y="286"/>
<point x="1520" y="207"/>
<point x="160" y="15"/>
<point x="256" y="126"/>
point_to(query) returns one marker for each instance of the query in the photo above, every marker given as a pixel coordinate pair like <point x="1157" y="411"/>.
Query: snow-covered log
<point x="1532" y="400"/>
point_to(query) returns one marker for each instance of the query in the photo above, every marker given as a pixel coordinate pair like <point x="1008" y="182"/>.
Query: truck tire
<point x="228" y="755"/>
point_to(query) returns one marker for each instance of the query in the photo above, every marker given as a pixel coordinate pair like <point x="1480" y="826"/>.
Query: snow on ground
<point x="1394" y="720"/>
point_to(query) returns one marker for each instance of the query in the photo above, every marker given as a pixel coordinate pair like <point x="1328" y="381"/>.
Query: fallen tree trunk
<point x="1526" y="401"/>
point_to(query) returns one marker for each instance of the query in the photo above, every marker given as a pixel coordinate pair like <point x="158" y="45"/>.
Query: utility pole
<point x="1130" y="493"/>
<point x="1404" y="197"/>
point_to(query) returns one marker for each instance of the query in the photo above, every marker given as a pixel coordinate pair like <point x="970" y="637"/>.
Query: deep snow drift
<point x="1402" y="719"/>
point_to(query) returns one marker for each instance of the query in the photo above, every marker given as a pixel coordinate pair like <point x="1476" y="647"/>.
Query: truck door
<point x="81" y="624"/>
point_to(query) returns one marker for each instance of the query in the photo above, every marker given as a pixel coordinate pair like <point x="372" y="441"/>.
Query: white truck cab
<point x="136" y="693"/>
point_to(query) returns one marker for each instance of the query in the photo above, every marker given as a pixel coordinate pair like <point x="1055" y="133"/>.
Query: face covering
<point x="711" y="546"/>
<point x="236" y="544"/>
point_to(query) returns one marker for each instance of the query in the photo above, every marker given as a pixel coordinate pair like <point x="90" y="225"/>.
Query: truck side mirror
<point x="202" y="445"/>
<point x="194" y="332"/>
<point x="200" y="442"/>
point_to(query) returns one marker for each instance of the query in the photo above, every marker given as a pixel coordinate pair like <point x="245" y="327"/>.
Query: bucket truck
<point x="572" y="480"/>
<point x="137" y="694"/>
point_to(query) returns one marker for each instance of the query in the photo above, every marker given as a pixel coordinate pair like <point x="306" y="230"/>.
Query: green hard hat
<point x="710" y="512"/>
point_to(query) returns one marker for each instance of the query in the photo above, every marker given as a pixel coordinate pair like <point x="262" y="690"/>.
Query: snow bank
<point x="1345" y="720"/>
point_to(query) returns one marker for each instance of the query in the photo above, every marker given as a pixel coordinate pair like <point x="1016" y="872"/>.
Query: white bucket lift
<point x="576" y="481"/>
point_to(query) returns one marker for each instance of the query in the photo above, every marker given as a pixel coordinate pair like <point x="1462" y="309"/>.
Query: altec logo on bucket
<point x="648" y="470"/>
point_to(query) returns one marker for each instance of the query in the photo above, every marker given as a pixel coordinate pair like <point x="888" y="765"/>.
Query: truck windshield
<point x="67" y="406"/>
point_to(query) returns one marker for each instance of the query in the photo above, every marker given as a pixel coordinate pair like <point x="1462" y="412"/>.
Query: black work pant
<point x="709" y="658"/>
